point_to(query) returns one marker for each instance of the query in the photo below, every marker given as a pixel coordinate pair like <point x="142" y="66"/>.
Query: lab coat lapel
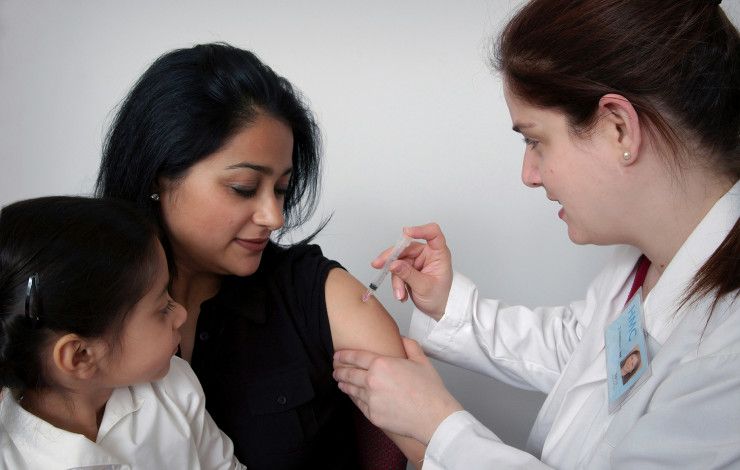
<point x="587" y="351"/>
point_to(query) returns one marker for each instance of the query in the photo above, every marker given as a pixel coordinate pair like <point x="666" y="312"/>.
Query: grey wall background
<point x="414" y="123"/>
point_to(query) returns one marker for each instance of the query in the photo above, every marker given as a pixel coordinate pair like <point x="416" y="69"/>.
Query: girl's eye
<point x="169" y="307"/>
<point x="244" y="192"/>
<point x="531" y="143"/>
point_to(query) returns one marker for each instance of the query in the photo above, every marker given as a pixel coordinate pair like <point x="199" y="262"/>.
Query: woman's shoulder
<point x="296" y="259"/>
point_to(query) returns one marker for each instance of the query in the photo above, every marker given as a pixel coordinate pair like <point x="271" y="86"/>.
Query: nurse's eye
<point x="244" y="191"/>
<point x="531" y="143"/>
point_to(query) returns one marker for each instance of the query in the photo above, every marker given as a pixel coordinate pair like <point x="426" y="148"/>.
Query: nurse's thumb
<point x="413" y="350"/>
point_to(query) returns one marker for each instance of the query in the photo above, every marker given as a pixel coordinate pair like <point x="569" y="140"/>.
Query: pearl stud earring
<point x="626" y="156"/>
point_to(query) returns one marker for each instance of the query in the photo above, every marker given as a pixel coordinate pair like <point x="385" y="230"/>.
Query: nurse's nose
<point x="531" y="170"/>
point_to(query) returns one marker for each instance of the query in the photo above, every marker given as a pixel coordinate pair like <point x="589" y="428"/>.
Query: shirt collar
<point x="34" y="436"/>
<point x="241" y="296"/>
<point x="246" y="296"/>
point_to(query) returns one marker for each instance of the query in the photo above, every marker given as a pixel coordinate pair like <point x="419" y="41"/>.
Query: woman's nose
<point x="270" y="212"/>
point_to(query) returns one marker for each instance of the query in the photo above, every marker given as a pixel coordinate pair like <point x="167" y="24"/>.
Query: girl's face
<point x="150" y="334"/>
<point x="580" y="174"/>
<point x="220" y="215"/>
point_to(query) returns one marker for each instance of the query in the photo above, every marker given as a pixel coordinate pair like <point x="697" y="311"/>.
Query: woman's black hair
<point x="186" y="106"/>
<point x="90" y="261"/>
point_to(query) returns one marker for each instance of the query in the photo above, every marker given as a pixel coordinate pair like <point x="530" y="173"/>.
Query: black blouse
<point x="263" y="353"/>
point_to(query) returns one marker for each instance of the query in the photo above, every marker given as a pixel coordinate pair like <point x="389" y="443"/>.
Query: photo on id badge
<point x="627" y="363"/>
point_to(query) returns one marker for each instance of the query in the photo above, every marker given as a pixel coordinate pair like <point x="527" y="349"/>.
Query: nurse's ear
<point x="621" y="125"/>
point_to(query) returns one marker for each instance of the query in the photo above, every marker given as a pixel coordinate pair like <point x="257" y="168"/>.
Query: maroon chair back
<point x="377" y="451"/>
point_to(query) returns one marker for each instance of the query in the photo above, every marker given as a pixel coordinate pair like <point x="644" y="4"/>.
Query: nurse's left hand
<point x="402" y="396"/>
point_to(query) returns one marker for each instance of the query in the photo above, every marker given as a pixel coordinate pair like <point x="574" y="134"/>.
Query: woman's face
<point x="220" y="215"/>
<point x="577" y="173"/>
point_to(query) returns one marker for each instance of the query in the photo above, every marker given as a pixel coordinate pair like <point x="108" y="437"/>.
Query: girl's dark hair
<point x="186" y="106"/>
<point x="93" y="260"/>
<point x="676" y="61"/>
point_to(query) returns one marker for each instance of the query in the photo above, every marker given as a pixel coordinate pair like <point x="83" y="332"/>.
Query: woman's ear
<point x="622" y="127"/>
<point x="76" y="357"/>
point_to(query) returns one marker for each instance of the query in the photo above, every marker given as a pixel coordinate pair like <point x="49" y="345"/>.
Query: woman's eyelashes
<point x="244" y="191"/>
<point x="248" y="192"/>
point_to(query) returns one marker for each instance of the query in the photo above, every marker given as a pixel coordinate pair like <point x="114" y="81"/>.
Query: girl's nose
<point x="179" y="314"/>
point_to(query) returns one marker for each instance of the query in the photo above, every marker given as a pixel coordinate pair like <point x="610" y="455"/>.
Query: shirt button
<point x="282" y="399"/>
<point x="204" y="336"/>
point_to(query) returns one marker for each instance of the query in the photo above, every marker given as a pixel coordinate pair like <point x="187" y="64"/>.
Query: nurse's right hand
<point x="423" y="271"/>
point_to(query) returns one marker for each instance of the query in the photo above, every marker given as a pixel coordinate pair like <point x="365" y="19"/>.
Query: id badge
<point x="627" y="361"/>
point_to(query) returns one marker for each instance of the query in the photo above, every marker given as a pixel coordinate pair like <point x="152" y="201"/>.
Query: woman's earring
<point x="626" y="156"/>
<point x="154" y="197"/>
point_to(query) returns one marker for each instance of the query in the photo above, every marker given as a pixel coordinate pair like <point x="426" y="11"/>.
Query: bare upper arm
<point x="368" y="326"/>
<point x="356" y="324"/>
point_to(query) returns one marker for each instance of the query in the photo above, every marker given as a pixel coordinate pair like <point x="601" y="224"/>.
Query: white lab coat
<point x="687" y="413"/>
<point x="158" y="425"/>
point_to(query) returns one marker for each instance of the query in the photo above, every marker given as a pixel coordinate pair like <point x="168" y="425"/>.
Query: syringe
<point x="400" y="245"/>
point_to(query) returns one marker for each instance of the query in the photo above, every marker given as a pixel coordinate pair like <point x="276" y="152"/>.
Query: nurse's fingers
<point x="357" y="394"/>
<point x="410" y="252"/>
<point x="354" y="358"/>
<point x="430" y="232"/>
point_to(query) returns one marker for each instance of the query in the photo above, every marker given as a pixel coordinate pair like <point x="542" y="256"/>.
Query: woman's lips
<point x="252" y="244"/>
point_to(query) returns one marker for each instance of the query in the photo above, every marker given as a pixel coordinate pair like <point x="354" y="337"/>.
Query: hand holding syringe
<point x="402" y="243"/>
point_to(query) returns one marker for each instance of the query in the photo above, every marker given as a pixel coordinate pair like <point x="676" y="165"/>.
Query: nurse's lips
<point x="252" y="244"/>
<point x="561" y="212"/>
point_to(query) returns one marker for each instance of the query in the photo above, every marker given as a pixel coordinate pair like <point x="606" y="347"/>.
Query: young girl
<point x="87" y="337"/>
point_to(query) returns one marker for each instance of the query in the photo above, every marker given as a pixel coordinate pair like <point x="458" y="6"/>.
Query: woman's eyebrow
<point x="266" y="170"/>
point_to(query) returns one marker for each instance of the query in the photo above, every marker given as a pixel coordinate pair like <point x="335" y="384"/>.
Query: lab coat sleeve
<point x="695" y="415"/>
<point x="462" y="442"/>
<point x="526" y="348"/>
<point x="215" y="449"/>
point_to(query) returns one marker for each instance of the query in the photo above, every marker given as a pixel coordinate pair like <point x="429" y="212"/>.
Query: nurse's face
<point x="576" y="172"/>
<point x="630" y="364"/>
<point x="220" y="215"/>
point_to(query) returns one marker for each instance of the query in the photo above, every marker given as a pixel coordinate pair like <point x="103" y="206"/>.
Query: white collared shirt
<point x="686" y="415"/>
<point x="158" y="425"/>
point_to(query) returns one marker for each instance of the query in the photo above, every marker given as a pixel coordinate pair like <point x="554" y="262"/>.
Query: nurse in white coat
<point x="629" y="110"/>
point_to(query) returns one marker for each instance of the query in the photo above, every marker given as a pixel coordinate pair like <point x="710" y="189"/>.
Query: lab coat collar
<point x="662" y="311"/>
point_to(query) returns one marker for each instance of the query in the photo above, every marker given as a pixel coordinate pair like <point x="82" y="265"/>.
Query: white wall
<point x="414" y="123"/>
